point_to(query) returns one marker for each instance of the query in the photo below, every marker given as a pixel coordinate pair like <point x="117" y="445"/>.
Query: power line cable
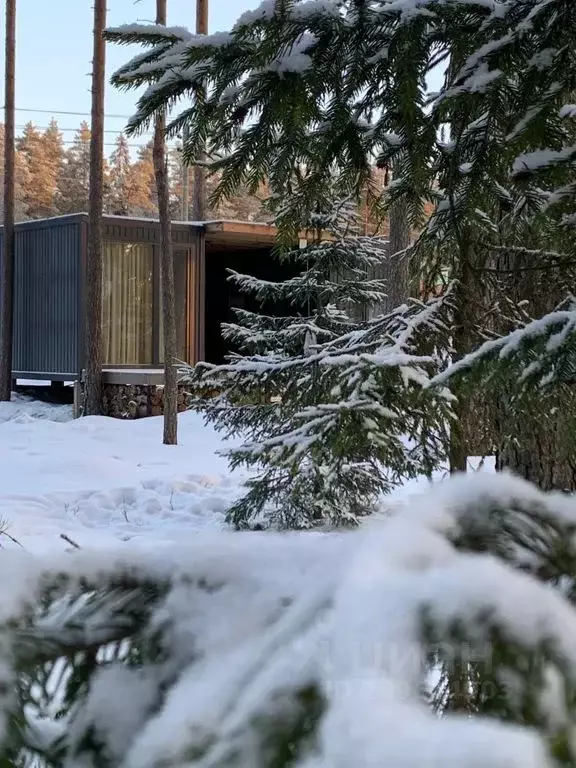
<point x="112" y="144"/>
<point x="73" y="130"/>
<point x="76" y="114"/>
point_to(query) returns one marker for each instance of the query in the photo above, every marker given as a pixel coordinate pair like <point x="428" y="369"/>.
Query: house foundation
<point x="136" y="393"/>
<point x="137" y="401"/>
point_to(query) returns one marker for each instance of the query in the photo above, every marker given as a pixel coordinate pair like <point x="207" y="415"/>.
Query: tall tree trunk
<point x="166" y="271"/>
<point x="534" y="434"/>
<point x="93" y="384"/>
<point x="461" y="344"/>
<point x="395" y="269"/>
<point x="185" y="180"/>
<point x="7" y="274"/>
<point x="537" y="448"/>
<point x="199" y="198"/>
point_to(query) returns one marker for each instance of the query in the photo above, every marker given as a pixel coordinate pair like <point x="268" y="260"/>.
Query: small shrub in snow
<point x="330" y="650"/>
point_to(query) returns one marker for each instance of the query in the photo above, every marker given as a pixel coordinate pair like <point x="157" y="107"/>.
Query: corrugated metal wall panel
<point x="46" y="299"/>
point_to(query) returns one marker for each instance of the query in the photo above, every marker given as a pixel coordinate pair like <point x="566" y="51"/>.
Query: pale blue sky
<point x="54" y="53"/>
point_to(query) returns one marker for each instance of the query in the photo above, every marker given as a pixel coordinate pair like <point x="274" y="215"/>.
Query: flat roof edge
<point x="231" y="226"/>
<point x="45" y="376"/>
<point x="68" y="218"/>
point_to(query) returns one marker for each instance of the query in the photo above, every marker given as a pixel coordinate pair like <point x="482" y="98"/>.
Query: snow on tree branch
<point x="306" y="650"/>
<point x="148" y="34"/>
<point x="331" y="424"/>
<point x="541" y="349"/>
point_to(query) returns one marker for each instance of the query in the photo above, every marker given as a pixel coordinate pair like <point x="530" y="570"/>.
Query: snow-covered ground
<point x="96" y="480"/>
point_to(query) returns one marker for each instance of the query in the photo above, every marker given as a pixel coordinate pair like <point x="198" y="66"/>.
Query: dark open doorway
<point x="222" y="295"/>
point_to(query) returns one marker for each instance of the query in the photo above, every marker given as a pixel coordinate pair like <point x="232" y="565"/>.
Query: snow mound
<point x="26" y="410"/>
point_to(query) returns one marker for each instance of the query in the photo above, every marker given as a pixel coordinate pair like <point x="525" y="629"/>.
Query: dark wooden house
<point x="50" y="268"/>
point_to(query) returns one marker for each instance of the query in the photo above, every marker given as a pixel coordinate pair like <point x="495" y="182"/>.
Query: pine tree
<point x="75" y="176"/>
<point x="41" y="153"/>
<point x="141" y="186"/>
<point x="243" y="205"/>
<point x="119" y="178"/>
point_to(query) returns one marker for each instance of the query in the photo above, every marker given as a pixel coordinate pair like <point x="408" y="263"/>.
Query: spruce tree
<point x="332" y="407"/>
<point x="41" y="154"/>
<point x="52" y="146"/>
<point x="75" y="176"/>
<point x="311" y="86"/>
<point x="141" y="187"/>
<point x="21" y="181"/>
<point x="120" y="166"/>
<point x="501" y="215"/>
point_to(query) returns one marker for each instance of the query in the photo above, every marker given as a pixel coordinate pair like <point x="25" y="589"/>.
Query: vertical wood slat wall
<point x="184" y="236"/>
<point x="196" y="300"/>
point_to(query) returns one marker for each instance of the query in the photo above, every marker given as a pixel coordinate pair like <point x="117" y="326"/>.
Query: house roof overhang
<point x="224" y="235"/>
<point x="236" y="235"/>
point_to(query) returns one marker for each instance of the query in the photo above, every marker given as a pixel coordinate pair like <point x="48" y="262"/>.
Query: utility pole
<point x="7" y="273"/>
<point x="166" y="270"/>
<point x="93" y="372"/>
<point x="199" y="202"/>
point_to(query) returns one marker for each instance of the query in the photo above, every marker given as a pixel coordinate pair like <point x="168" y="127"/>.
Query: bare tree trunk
<point x="7" y="275"/>
<point x="199" y="199"/>
<point x="461" y="344"/>
<point x="166" y="271"/>
<point x="93" y="385"/>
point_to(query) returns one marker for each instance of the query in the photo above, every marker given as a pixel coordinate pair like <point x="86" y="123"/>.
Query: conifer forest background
<point x="52" y="176"/>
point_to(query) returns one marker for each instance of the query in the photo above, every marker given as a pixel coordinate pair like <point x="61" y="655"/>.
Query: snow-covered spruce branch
<point x="147" y="34"/>
<point x="470" y="594"/>
<point x="542" y="351"/>
<point x="330" y="427"/>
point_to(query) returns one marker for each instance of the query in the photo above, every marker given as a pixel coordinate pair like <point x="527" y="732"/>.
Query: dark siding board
<point x="57" y="221"/>
<point x="46" y="299"/>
